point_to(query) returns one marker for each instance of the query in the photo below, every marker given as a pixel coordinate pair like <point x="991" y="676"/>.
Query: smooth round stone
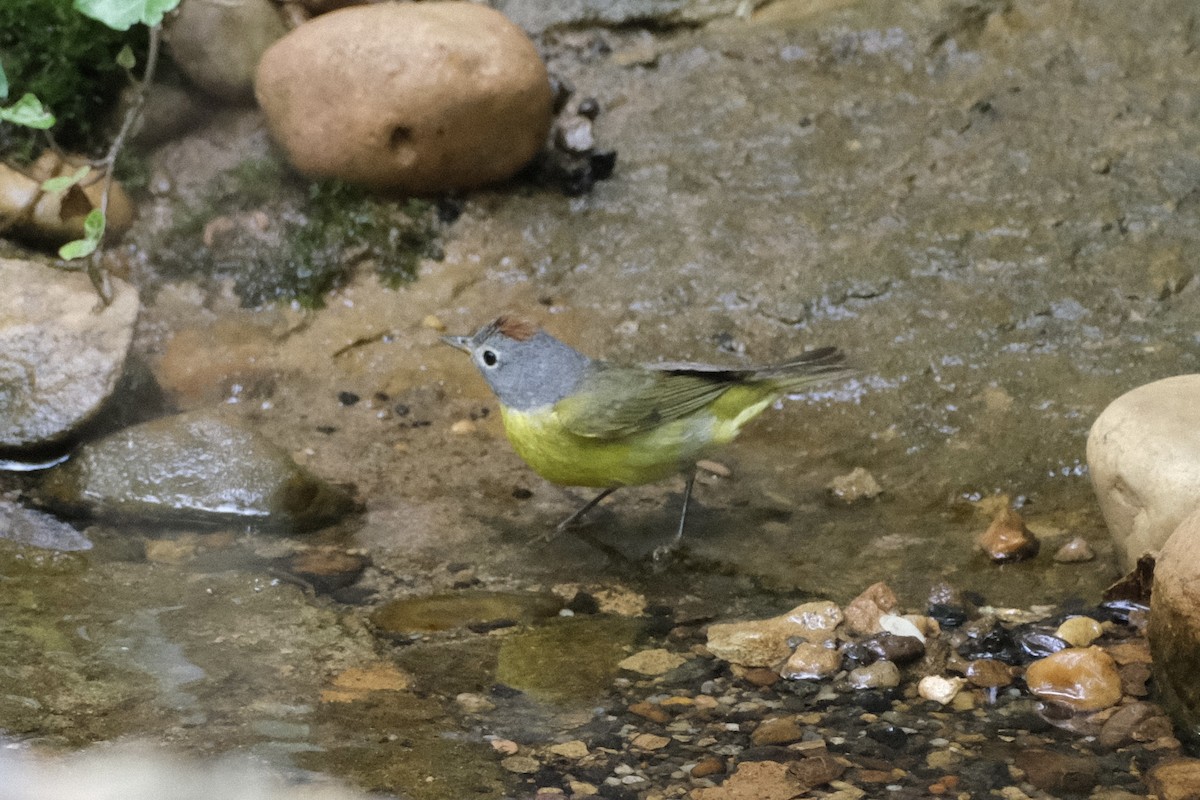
<point x="202" y="468"/>
<point x="1080" y="678"/>
<point x="863" y="612"/>
<point x="417" y="97"/>
<point x="812" y="661"/>
<point x="217" y="43"/>
<point x="939" y="688"/>
<point x="61" y="351"/>
<point x="989" y="673"/>
<point x="454" y="610"/>
<point x="1143" y="456"/>
<point x="1079" y="631"/>
<point x="880" y="675"/>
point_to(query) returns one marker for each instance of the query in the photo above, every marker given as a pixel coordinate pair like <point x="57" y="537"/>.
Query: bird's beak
<point x="460" y="342"/>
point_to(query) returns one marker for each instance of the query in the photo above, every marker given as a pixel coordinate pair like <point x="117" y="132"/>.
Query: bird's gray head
<point x="525" y="366"/>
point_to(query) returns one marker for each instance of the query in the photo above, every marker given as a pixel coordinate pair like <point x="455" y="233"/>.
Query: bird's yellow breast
<point x="563" y="457"/>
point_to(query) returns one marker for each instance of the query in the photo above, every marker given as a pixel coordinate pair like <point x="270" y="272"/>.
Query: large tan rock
<point x="1144" y="459"/>
<point x="422" y="97"/>
<point x="1175" y="624"/>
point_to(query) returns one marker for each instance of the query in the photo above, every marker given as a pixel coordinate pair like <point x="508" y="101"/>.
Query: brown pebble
<point x="1134" y="678"/>
<point x="1056" y="772"/>
<point x="760" y="676"/>
<point x="1136" y="651"/>
<point x="1080" y="678"/>
<point x="815" y="771"/>
<point x="779" y="730"/>
<point x="1007" y="538"/>
<point x="988" y="673"/>
<point x="863" y="612"/>
<point x="708" y="766"/>
<point x="1074" y="551"/>
<point x="1175" y="779"/>
<point x="1118" y="729"/>
<point x="650" y="711"/>
<point x="650" y="741"/>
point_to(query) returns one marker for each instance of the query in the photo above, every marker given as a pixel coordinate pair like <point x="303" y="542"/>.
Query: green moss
<point x="286" y="239"/>
<point x="69" y="62"/>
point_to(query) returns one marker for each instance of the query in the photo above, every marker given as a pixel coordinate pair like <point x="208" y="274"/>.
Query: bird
<point x="585" y="422"/>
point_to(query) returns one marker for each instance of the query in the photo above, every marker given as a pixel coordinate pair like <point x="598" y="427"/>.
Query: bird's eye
<point x="489" y="358"/>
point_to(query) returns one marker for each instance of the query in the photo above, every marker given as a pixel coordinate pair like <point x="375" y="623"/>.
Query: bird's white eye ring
<point x="489" y="357"/>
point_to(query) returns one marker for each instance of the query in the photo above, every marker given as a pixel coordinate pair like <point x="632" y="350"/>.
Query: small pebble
<point x="463" y="427"/>
<point x="880" y="675"/>
<point x="522" y="765"/>
<point x="712" y="765"/>
<point x="939" y="689"/>
<point x="714" y="468"/>
<point x="505" y="746"/>
<point x="650" y="741"/>
<point x="1079" y="631"/>
<point x="574" y="749"/>
<point x="1075" y="551"/>
<point x="864" y="611"/>
<point x="988" y="673"/>
<point x="433" y="323"/>
<point x="650" y="711"/>
<point x="811" y="661"/>
<point x="1008" y="539"/>
<point x="777" y="731"/>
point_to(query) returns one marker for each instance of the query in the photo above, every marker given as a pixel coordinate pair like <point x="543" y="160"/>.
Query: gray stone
<point x="218" y="43"/>
<point x="200" y="468"/>
<point x="61" y="351"/>
<point x="1144" y="459"/>
<point x="38" y="529"/>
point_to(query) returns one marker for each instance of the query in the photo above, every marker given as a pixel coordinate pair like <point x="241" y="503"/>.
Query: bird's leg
<point x="664" y="550"/>
<point x="571" y="520"/>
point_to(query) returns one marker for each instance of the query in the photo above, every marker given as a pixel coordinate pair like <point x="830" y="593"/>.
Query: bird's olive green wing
<point x="619" y="401"/>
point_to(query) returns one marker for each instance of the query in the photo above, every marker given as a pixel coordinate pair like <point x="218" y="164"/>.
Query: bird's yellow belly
<point x="565" y="458"/>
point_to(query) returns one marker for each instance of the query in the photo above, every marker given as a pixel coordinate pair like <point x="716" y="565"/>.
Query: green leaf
<point x="64" y="182"/>
<point x="93" y="232"/>
<point x="121" y="15"/>
<point x="126" y="58"/>
<point x="3" y="84"/>
<point x="80" y="248"/>
<point x="28" y="111"/>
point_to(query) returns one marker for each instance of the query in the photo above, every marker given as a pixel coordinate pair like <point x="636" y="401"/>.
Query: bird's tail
<point x="814" y="366"/>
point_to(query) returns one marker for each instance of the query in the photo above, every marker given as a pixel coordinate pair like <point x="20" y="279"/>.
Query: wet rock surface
<point x="61" y="351"/>
<point x="439" y="96"/>
<point x="1144" y="459"/>
<point x="199" y="468"/>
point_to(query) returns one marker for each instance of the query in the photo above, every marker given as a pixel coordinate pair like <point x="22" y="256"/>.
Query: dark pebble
<point x="873" y="700"/>
<point x="1119" y="610"/>
<point x="521" y="493"/>
<point x="983" y="776"/>
<point x="617" y="792"/>
<point x="504" y="692"/>
<point x="348" y="398"/>
<point x="1037" y="644"/>
<point x="947" y="616"/>
<point x="401" y="410"/>
<point x="583" y="603"/>
<point x="886" y="647"/>
<point x="889" y="736"/>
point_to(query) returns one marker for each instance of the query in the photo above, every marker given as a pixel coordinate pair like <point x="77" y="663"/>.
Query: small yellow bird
<point x="578" y="421"/>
